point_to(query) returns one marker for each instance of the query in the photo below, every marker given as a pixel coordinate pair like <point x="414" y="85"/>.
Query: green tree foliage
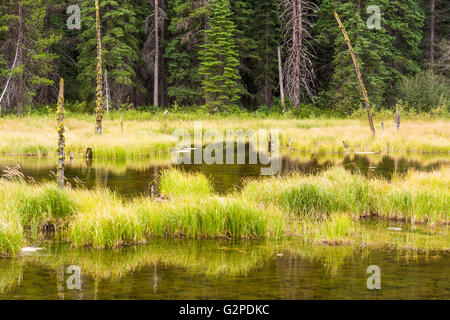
<point x="186" y="28"/>
<point x="35" y="71"/>
<point x="424" y="92"/>
<point x="219" y="60"/>
<point x="373" y="49"/>
<point x="120" y="52"/>
<point x="222" y="53"/>
<point x="267" y="34"/>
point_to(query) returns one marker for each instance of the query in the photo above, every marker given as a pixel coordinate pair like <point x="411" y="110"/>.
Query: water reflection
<point x="136" y="177"/>
<point x="185" y="269"/>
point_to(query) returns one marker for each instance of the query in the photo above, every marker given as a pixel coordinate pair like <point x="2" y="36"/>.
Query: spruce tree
<point x="182" y="52"/>
<point x="267" y="33"/>
<point x="119" y="48"/>
<point x="25" y="22"/>
<point x="373" y="49"/>
<point x="243" y="17"/>
<point x="219" y="60"/>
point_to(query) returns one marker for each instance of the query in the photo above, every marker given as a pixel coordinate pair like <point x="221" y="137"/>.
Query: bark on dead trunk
<point x="20" y="85"/>
<point x="365" y="97"/>
<point x="280" y="74"/>
<point x="156" y="71"/>
<point x="61" y="140"/>
<point x="99" y="93"/>
<point x="296" y="49"/>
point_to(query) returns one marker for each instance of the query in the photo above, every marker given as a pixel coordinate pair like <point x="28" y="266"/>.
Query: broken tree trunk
<point x="61" y="139"/>
<point x="280" y="71"/>
<point x="365" y="97"/>
<point x="99" y="93"/>
<point x="20" y="86"/>
<point x="10" y="74"/>
<point x="397" y="118"/>
<point x="297" y="38"/>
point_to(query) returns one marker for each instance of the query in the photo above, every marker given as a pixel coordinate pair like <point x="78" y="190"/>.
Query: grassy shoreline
<point x="323" y="209"/>
<point x="36" y="135"/>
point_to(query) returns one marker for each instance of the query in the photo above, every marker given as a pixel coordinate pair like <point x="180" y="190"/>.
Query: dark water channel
<point x="135" y="177"/>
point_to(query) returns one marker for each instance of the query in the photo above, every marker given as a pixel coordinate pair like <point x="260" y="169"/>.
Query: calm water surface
<point x="135" y="177"/>
<point x="184" y="269"/>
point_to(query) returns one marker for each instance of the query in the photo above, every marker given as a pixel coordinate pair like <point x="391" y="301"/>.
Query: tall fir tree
<point x="119" y="49"/>
<point x="219" y="60"/>
<point x="26" y="23"/>
<point x="243" y="15"/>
<point x="187" y="32"/>
<point x="267" y="32"/>
<point x="373" y="49"/>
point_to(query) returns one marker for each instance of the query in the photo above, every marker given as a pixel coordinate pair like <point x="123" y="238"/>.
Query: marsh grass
<point x="112" y="224"/>
<point x="179" y="183"/>
<point x="150" y="136"/>
<point x="322" y="209"/>
<point x="419" y="197"/>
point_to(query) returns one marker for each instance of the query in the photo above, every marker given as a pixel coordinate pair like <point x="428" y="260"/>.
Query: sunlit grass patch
<point x="420" y="197"/>
<point x="179" y="183"/>
<point x="324" y="209"/>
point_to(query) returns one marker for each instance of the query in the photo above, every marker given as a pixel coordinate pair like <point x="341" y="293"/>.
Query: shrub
<point x="425" y="92"/>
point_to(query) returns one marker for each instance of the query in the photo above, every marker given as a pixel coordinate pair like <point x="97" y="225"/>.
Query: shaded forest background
<point x="221" y="55"/>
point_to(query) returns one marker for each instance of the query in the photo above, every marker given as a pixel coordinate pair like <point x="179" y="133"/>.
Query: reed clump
<point x="179" y="183"/>
<point x="419" y="197"/>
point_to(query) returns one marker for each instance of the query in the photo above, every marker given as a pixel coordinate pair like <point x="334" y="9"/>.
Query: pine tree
<point x="373" y="49"/>
<point x="219" y="60"/>
<point x="186" y="29"/>
<point x="435" y="31"/>
<point x="267" y="33"/>
<point x="25" y="24"/>
<point x="119" y="49"/>
<point x="243" y="17"/>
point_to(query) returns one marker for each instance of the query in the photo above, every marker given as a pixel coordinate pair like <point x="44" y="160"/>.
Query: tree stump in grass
<point x="88" y="153"/>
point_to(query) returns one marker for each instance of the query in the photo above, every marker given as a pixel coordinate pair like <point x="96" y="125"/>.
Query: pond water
<point x="184" y="269"/>
<point x="206" y="269"/>
<point x="135" y="177"/>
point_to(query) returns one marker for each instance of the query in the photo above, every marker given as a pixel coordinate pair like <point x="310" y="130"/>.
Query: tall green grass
<point x="318" y="209"/>
<point x="179" y="183"/>
<point x="420" y="197"/>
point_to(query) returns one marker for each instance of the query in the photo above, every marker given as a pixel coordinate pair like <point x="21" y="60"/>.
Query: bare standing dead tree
<point x="61" y="139"/>
<point x="156" y="71"/>
<point x="299" y="71"/>
<point x="432" y="29"/>
<point x="365" y="96"/>
<point x="281" y="78"/>
<point x="154" y="24"/>
<point x="99" y="90"/>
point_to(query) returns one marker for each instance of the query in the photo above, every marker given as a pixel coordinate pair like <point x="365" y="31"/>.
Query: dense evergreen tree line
<point x="221" y="54"/>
